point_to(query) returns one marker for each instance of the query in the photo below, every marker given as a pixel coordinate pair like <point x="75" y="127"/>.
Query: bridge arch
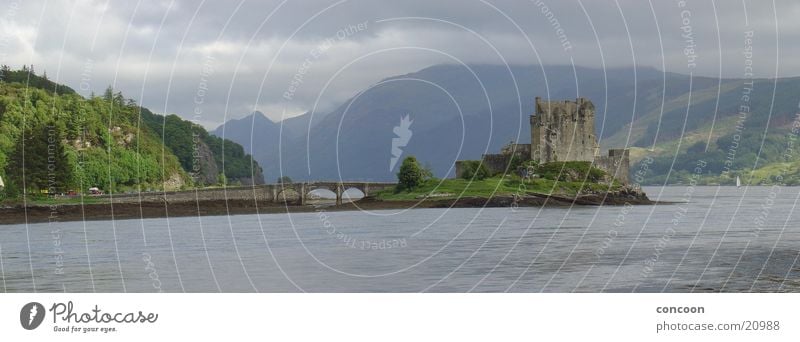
<point x="288" y="193"/>
<point x="352" y="194"/>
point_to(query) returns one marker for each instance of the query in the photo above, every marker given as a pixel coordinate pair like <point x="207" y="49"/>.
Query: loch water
<point x="711" y="239"/>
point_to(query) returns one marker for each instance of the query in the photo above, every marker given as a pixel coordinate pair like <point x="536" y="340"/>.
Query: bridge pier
<point x="339" y="193"/>
<point x="302" y="192"/>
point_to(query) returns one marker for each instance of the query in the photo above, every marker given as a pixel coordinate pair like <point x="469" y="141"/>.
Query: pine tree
<point x="108" y="95"/>
<point x="5" y="72"/>
<point x="39" y="161"/>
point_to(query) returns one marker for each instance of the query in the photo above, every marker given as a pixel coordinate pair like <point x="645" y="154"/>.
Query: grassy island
<point x="564" y="179"/>
<point x="495" y="186"/>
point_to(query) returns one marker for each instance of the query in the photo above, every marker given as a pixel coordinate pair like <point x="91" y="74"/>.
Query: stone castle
<point x="561" y="131"/>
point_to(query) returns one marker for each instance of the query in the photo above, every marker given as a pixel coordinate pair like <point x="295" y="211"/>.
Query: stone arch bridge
<point x="263" y="193"/>
<point x="278" y="191"/>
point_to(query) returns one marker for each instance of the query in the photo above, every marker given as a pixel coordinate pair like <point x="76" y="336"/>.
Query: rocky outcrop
<point x="204" y="169"/>
<point x="174" y="182"/>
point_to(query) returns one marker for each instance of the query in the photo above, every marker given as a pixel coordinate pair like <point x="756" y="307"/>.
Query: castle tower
<point x="563" y="131"/>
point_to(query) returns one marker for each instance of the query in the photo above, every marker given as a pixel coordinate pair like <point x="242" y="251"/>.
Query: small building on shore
<point x="560" y="131"/>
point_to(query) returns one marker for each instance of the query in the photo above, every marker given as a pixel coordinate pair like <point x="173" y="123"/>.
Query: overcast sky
<point x="251" y="54"/>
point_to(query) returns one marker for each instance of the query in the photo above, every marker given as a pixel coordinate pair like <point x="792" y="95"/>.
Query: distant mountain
<point x="461" y="112"/>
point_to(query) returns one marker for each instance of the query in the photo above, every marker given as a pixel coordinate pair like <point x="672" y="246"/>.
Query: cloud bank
<point x="212" y="61"/>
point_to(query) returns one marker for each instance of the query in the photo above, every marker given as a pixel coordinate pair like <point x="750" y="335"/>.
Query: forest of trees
<point x="54" y="140"/>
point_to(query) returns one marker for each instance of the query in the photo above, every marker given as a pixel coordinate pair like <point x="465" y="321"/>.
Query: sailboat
<point x="738" y="182"/>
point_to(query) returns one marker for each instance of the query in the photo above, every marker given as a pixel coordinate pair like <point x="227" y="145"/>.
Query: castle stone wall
<point x="563" y="131"/>
<point x="560" y="131"/>
<point x="460" y="166"/>
<point x="616" y="164"/>
<point x="496" y="163"/>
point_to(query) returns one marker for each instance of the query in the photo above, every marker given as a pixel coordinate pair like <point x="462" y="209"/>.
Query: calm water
<point x="724" y="239"/>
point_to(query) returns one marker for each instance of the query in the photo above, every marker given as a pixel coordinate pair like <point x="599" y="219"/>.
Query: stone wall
<point x="496" y="163"/>
<point x="563" y="131"/>
<point x="460" y="166"/>
<point x="616" y="164"/>
<point x="261" y="193"/>
<point x="217" y="194"/>
<point x="521" y="151"/>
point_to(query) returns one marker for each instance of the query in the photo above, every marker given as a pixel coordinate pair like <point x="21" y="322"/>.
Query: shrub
<point x="474" y="170"/>
<point x="515" y="163"/>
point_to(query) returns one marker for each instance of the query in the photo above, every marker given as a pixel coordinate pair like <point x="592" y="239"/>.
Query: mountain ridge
<point x="461" y="112"/>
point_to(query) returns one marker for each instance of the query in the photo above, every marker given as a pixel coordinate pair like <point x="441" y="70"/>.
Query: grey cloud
<point x="161" y="59"/>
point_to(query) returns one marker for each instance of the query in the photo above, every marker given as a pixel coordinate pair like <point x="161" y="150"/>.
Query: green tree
<point x="39" y="161"/>
<point x="284" y="180"/>
<point x="411" y="174"/>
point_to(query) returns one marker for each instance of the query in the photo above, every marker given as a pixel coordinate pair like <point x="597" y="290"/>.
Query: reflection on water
<point x="724" y="239"/>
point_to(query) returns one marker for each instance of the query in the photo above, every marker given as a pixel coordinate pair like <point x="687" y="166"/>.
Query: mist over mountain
<point x="462" y="111"/>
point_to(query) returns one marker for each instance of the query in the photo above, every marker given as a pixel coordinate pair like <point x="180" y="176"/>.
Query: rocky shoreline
<point x="18" y="214"/>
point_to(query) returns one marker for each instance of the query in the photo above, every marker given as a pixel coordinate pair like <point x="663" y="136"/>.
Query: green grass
<point x="494" y="186"/>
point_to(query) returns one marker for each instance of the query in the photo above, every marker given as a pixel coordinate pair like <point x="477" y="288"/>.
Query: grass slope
<point x="494" y="186"/>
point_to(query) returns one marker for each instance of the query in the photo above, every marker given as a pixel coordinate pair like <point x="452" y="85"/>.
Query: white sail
<point x="738" y="182"/>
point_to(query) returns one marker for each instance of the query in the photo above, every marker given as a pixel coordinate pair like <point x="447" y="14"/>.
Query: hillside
<point x="731" y="129"/>
<point x="203" y="155"/>
<point x="54" y="140"/>
<point x="461" y="112"/>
